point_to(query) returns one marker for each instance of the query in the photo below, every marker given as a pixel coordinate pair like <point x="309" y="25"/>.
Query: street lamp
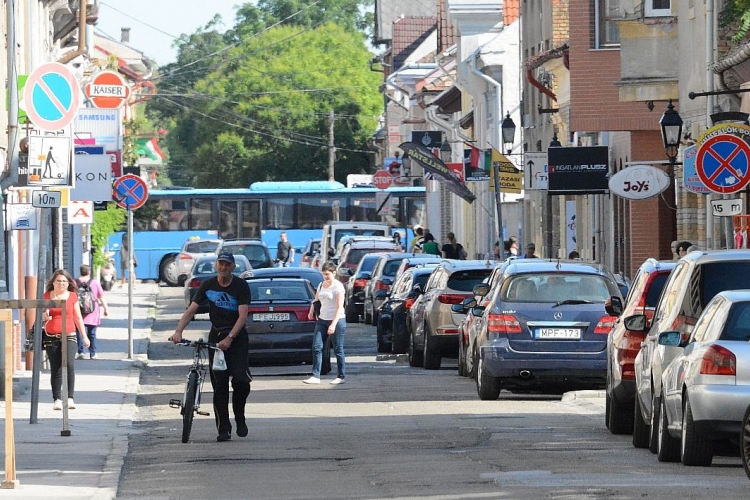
<point x="671" y="131"/>
<point x="508" y="129"/>
<point x="555" y="142"/>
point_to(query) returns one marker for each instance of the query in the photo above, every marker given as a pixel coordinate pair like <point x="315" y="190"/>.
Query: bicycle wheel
<point x="188" y="407"/>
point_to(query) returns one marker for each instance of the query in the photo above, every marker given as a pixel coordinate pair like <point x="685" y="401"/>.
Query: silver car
<point x="706" y="388"/>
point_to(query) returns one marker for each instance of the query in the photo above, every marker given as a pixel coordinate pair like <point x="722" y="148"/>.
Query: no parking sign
<point x="723" y="158"/>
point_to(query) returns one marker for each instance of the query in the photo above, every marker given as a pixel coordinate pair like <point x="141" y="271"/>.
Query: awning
<point x="467" y="121"/>
<point x="449" y="101"/>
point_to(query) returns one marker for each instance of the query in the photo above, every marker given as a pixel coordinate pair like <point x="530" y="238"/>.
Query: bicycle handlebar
<point x="196" y="343"/>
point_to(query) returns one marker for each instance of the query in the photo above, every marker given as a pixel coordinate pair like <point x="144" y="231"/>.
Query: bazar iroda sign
<point x="434" y="165"/>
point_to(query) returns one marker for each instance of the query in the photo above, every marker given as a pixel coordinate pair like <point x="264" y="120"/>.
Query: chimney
<point x="125" y="35"/>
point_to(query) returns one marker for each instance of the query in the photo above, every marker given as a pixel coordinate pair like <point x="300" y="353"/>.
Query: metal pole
<point x="64" y="353"/>
<point x="130" y="283"/>
<point x="498" y="200"/>
<point x="331" y="145"/>
<point x="40" y="284"/>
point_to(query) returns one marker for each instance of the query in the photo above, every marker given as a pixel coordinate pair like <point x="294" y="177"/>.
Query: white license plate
<point x="271" y="317"/>
<point x="559" y="333"/>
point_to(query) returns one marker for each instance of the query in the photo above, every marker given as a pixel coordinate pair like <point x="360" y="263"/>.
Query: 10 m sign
<point x="46" y="199"/>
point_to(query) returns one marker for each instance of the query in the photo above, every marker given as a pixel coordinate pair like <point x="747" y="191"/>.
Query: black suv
<point x="255" y="250"/>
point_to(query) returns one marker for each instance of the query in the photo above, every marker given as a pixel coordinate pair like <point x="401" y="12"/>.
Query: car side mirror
<point x="417" y="289"/>
<point x="458" y="308"/>
<point x="348" y="271"/>
<point x="613" y="306"/>
<point x="469" y="302"/>
<point x="365" y="276"/>
<point x="477" y="311"/>
<point x="673" y="339"/>
<point x="381" y="294"/>
<point x="481" y="289"/>
<point x="636" y="323"/>
<point x="387" y="281"/>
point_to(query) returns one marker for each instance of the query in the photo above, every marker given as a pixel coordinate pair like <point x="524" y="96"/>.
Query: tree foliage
<point x="736" y="13"/>
<point x="254" y="103"/>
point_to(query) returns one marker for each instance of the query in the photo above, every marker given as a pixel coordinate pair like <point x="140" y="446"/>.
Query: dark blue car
<point x="545" y="326"/>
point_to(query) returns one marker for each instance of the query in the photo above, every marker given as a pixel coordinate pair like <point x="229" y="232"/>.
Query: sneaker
<point x="224" y="436"/>
<point x="71" y="404"/>
<point x="311" y="380"/>
<point x="79" y="355"/>
<point x="338" y="381"/>
<point x="57" y="405"/>
<point x="241" y="427"/>
<point x="93" y="356"/>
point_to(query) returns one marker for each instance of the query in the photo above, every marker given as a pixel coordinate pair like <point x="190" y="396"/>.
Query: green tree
<point x="106" y="223"/>
<point x="736" y="13"/>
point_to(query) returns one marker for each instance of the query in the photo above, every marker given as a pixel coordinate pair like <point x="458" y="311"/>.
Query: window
<point x="228" y="219"/>
<point x="314" y="213"/>
<point x="657" y="8"/>
<point x="249" y="219"/>
<point x="607" y="31"/>
<point x="200" y="214"/>
<point x="280" y="213"/>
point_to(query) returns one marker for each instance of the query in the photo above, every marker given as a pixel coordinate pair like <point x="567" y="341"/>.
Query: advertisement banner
<point x="434" y="165"/>
<point x="578" y="170"/>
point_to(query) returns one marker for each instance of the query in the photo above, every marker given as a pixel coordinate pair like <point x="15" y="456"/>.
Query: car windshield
<point x="202" y="247"/>
<point x="261" y="290"/>
<point x="209" y="267"/>
<point x="340" y="233"/>
<point x="256" y="254"/>
<point x="556" y="288"/>
<point x="368" y="265"/>
<point x="464" y="281"/>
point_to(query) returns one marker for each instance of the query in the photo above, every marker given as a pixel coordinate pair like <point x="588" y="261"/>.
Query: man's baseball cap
<point x="226" y="257"/>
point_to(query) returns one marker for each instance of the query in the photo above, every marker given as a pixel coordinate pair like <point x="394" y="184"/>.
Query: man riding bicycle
<point x="228" y="297"/>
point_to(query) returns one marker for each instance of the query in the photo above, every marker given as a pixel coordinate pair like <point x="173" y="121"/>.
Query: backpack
<point x="85" y="297"/>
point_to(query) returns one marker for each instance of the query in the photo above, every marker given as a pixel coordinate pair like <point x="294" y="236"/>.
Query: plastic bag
<point x="220" y="363"/>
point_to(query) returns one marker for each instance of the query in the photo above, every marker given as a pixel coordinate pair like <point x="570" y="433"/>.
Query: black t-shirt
<point x="223" y="302"/>
<point x="282" y="251"/>
<point x="452" y="251"/>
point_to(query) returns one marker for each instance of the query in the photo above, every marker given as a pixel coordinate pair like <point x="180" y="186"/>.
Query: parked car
<point x="334" y="231"/>
<point x="745" y="442"/>
<point x="191" y="250"/>
<point x="382" y="278"/>
<point x="392" y="332"/>
<point x="278" y="328"/>
<point x="353" y="251"/>
<point x="546" y="326"/>
<point x="314" y="276"/>
<point x="255" y="251"/>
<point x="355" y="287"/>
<point x="434" y="326"/>
<point x="706" y="387"/>
<point x="204" y="268"/>
<point x="421" y="259"/>
<point x="623" y="345"/>
<point x="695" y="280"/>
<point x="308" y="253"/>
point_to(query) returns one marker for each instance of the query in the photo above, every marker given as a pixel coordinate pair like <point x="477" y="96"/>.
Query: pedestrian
<point x="682" y="248"/>
<point x="430" y="246"/>
<point x="530" y="249"/>
<point x="453" y="249"/>
<point x="124" y="251"/>
<point x="415" y="246"/>
<point x="62" y="287"/>
<point x="94" y="318"/>
<point x="513" y="247"/>
<point x="284" y="251"/>
<point x="675" y="252"/>
<point x="397" y="241"/>
<point x="574" y="255"/>
<point x="331" y="321"/>
<point x="228" y="297"/>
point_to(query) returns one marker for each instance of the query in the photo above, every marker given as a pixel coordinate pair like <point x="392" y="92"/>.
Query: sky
<point x="155" y="24"/>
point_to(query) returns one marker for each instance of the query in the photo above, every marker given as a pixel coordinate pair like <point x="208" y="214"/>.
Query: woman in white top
<point x="330" y="322"/>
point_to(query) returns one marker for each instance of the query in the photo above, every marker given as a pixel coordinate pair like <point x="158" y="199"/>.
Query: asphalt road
<point x="390" y="432"/>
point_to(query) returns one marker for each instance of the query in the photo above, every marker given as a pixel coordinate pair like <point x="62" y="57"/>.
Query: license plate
<point x="559" y="333"/>
<point x="271" y="317"/>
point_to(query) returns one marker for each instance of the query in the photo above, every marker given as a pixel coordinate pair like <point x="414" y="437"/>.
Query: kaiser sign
<point x="638" y="182"/>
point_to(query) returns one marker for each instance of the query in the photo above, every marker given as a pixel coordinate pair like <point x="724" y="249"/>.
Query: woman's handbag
<point x="316" y="305"/>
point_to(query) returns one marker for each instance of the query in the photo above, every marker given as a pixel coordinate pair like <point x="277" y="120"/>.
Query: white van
<point x="334" y="231"/>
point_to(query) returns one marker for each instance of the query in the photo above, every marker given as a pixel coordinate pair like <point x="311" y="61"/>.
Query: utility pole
<point x="331" y="147"/>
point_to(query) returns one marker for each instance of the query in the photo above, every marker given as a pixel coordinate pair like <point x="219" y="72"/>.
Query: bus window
<point x="280" y="213"/>
<point x="314" y="213"/>
<point x="200" y="214"/>
<point x="228" y="219"/>
<point x="250" y="219"/>
<point x="414" y="209"/>
<point x="363" y="209"/>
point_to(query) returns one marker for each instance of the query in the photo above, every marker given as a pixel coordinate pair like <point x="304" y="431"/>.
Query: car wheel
<point x="432" y="355"/>
<point x="695" y="449"/>
<point x="488" y="387"/>
<point x="472" y="362"/>
<point x="668" y="449"/>
<point x="367" y="318"/>
<point x="168" y="272"/>
<point x="620" y="418"/>
<point x="415" y="356"/>
<point x="383" y="331"/>
<point x="399" y="343"/>
<point x="375" y="316"/>
<point x="461" y="356"/>
<point x="641" y="430"/>
<point x="745" y="442"/>
<point x="653" y="435"/>
<point x="352" y="316"/>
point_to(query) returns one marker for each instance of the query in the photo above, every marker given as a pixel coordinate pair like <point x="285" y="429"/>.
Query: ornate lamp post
<point x="671" y="131"/>
<point x="508" y="128"/>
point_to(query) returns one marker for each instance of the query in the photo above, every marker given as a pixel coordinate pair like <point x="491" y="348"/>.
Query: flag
<point x="480" y="159"/>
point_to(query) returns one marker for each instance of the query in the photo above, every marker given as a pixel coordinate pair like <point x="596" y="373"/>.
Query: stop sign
<point x="382" y="179"/>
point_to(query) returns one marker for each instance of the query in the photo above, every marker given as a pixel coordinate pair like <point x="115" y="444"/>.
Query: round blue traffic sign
<point x="723" y="163"/>
<point x="51" y="96"/>
<point x="130" y="192"/>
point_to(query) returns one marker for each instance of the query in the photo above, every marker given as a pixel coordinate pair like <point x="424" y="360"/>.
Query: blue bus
<point x="265" y="209"/>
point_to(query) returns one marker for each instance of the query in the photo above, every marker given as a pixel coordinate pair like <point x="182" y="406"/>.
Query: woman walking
<point x="62" y="287"/>
<point x="453" y="249"/>
<point x="330" y="322"/>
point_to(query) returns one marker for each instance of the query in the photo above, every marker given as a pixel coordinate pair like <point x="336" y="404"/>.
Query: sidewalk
<point x="86" y="464"/>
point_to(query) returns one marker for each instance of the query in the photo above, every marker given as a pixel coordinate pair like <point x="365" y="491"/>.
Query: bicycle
<point x="191" y="398"/>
